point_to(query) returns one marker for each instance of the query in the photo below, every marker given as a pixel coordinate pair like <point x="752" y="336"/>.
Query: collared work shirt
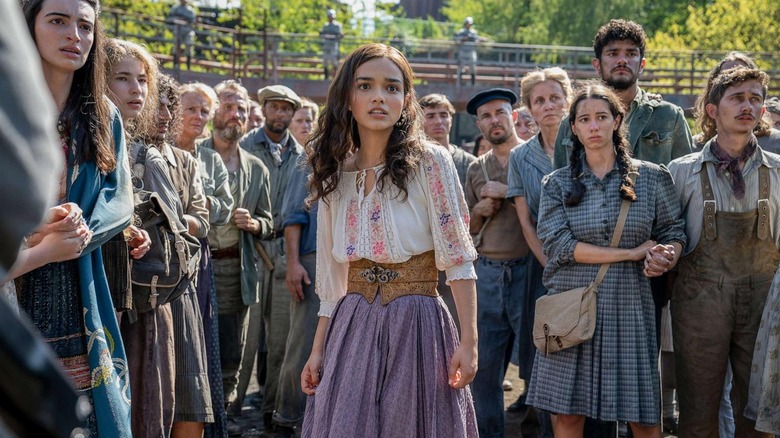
<point x="183" y="170"/>
<point x="528" y="164"/>
<point x="294" y="211"/>
<point x="256" y="142"/>
<point x="687" y="182"/>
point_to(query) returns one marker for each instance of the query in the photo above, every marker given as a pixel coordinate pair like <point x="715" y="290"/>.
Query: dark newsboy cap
<point x="486" y="96"/>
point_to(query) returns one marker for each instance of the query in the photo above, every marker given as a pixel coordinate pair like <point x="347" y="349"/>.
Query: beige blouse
<point x="384" y="227"/>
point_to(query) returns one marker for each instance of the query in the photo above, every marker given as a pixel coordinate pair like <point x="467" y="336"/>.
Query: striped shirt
<point x="528" y="164"/>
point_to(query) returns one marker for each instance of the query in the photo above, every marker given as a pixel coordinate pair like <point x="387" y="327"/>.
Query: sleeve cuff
<point x="327" y="308"/>
<point x="298" y="218"/>
<point x="465" y="271"/>
<point x="513" y="192"/>
<point x="567" y="253"/>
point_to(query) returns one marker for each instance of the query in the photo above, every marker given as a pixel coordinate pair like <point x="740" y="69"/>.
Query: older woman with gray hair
<point x="546" y="94"/>
<point x="198" y="103"/>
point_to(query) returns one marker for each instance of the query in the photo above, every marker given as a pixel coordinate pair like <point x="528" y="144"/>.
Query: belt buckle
<point x="378" y="274"/>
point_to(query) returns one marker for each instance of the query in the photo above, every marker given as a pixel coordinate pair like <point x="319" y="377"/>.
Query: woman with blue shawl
<point x="64" y="290"/>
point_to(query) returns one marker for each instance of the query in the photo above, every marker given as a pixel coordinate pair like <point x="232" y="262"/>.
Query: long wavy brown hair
<point x="596" y="90"/>
<point x="704" y="122"/>
<point x="87" y="113"/>
<point x="337" y="133"/>
<point x="117" y="51"/>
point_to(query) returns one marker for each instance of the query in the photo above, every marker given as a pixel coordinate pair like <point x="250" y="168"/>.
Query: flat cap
<point x="486" y="96"/>
<point x="279" y="92"/>
<point x="772" y="105"/>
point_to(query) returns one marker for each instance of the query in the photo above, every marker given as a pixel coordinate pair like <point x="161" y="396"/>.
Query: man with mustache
<point x="503" y="255"/>
<point x="657" y="130"/>
<point x="275" y="146"/>
<point x="233" y="244"/>
<point x="729" y="198"/>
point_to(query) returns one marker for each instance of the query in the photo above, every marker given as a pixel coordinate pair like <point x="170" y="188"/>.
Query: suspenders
<point x="711" y="208"/>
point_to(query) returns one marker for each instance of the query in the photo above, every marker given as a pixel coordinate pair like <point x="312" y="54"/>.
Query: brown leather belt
<point x="416" y="276"/>
<point x="226" y="253"/>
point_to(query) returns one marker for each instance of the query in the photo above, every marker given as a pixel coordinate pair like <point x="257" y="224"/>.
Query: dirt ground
<point x="252" y="423"/>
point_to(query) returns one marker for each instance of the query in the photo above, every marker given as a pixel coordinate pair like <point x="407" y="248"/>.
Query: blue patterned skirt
<point x="51" y="297"/>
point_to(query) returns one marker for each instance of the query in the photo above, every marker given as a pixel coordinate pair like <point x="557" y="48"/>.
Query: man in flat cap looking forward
<point x="279" y="151"/>
<point x="503" y="254"/>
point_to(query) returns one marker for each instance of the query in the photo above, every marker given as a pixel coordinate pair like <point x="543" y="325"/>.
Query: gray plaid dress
<point x="614" y="376"/>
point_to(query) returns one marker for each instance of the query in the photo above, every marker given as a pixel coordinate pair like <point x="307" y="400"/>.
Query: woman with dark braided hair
<point x="386" y="360"/>
<point x="613" y="376"/>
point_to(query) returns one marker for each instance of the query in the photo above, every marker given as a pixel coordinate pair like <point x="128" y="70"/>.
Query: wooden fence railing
<point x="241" y="53"/>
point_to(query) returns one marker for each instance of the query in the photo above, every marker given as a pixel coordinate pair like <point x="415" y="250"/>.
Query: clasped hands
<point x="659" y="259"/>
<point x="65" y="233"/>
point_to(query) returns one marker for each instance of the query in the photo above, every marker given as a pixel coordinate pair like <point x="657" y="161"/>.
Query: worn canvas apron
<point x="716" y="309"/>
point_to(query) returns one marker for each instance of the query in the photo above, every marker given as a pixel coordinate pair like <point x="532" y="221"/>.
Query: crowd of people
<point x="382" y="278"/>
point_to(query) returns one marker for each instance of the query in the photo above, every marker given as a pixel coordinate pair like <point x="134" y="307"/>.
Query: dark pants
<point x="501" y="287"/>
<point x="702" y="349"/>
<point x="290" y="400"/>
<point x="232" y="319"/>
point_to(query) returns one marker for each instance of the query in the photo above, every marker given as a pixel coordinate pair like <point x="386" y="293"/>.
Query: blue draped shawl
<point x="107" y="203"/>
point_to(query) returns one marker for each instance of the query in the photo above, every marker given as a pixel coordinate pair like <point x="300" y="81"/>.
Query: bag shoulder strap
<point x="483" y="166"/>
<point x="138" y="166"/>
<point x="621" y="223"/>
<point x="477" y="240"/>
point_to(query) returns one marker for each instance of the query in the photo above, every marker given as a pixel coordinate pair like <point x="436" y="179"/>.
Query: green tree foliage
<point x="502" y="21"/>
<point x="293" y="16"/>
<point x="564" y="22"/>
<point x="158" y="9"/>
<point x="746" y="25"/>
<point x="559" y="22"/>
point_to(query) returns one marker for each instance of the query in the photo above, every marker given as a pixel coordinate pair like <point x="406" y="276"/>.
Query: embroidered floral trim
<point x="353" y="230"/>
<point x="110" y="370"/>
<point x="377" y="235"/>
<point x="450" y="230"/>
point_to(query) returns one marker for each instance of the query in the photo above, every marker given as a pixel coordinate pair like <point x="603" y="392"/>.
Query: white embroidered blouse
<point x="387" y="228"/>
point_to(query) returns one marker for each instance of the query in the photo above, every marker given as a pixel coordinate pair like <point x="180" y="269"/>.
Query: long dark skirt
<point x="207" y="299"/>
<point x="385" y="373"/>
<point x="50" y="296"/>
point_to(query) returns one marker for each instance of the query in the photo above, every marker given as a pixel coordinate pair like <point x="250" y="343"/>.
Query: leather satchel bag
<point x="568" y="318"/>
<point x="163" y="274"/>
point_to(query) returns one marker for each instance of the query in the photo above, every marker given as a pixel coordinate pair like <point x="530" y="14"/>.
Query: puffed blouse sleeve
<point x="331" y="278"/>
<point x="448" y="215"/>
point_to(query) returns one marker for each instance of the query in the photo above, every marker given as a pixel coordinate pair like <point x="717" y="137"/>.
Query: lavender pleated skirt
<point x="384" y="373"/>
